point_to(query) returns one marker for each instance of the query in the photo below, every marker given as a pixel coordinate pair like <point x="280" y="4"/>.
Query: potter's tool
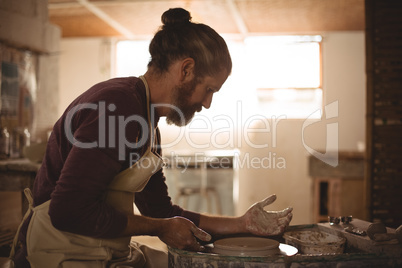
<point x="336" y="220"/>
<point x="333" y="220"/>
<point x="355" y="231"/>
<point x="346" y="219"/>
<point x="378" y="233"/>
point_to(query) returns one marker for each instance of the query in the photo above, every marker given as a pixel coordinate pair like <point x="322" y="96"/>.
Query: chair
<point x="184" y="190"/>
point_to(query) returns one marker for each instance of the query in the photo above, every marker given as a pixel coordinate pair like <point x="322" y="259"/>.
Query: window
<point x="132" y="58"/>
<point x="286" y="73"/>
<point x="271" y="76"/>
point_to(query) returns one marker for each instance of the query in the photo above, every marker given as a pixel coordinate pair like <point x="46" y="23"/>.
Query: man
<point x="97" y="163"/>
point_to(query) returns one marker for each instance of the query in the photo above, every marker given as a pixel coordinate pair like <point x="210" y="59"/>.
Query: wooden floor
<point x="10" y="218"/>
<point x="10" y="210"/>
<point x="4" y="262"/>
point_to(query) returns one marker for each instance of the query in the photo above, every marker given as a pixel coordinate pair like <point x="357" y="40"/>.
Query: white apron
<point x="49" y="247"/>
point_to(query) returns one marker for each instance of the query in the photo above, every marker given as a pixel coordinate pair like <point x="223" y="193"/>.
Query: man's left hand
<point x="260" y="222"/>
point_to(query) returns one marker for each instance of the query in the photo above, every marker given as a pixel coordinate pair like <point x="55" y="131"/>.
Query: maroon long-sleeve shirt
<point x="109" y="119"/>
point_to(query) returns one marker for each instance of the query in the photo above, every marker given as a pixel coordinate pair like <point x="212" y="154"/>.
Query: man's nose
<point x="207" y="101"/>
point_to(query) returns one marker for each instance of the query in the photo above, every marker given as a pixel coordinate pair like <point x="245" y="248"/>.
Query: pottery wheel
<point x="251" y="246"/>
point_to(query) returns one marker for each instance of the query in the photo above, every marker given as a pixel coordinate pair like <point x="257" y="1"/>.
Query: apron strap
<point x="150" y="128"/>
<point x="28" y="195"/>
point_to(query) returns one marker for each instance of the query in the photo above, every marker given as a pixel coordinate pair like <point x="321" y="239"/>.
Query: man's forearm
<point x="222" y="225"/>
<point x="141" y="225"/>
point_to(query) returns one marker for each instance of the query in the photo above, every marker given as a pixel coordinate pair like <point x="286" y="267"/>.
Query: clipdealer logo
<point x="111" y="124"/>
<point x="331" y="155"/>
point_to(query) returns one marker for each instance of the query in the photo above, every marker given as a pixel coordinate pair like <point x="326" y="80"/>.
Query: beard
<point x="181" y="113"/>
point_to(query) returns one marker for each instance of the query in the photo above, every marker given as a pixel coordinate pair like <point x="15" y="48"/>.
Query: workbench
<point x="360" y="251"/>
<point x="16" y="175"/>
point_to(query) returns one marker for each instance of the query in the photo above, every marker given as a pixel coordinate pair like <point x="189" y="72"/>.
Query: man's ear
<point x="187" y="70"/>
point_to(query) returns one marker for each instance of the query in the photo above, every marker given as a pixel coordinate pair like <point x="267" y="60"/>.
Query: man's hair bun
<point x="176" y="16"/>
<point x="179" y="38"/>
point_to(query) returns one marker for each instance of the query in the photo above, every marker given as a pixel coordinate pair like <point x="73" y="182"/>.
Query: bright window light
<point x="286" y="74"/>
<point x="284" y="61"/>
<point x="271" y="76"/>
<point x="132" y="58"/>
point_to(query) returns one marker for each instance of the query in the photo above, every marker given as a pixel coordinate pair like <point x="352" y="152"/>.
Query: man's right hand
<point x="181" y="233"/>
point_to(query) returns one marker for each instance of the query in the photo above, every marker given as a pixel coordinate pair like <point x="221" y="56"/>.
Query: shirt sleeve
<point x="155" y="202"/>
<point x="78" y="199"/>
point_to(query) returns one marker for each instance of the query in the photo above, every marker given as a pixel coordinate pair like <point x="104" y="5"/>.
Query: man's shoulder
<point x="118" y="91"/>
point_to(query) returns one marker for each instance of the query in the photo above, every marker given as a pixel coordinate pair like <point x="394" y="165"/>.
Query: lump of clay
<point x="376" y="228"/>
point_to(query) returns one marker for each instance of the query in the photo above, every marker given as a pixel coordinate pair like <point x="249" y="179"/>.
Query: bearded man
<point x="81" y="205"/>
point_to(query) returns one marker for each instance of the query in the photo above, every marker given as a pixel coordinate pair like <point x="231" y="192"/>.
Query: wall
<point x="24" y="25"/>
<point x="343" y="81"/>
<point x="83" y="63"/>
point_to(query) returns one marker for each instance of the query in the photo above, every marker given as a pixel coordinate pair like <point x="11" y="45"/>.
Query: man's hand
<point x="181" y="233"/>
<point x="257" y="221"/>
